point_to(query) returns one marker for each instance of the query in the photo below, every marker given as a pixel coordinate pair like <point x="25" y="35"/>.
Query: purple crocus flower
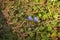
<point x="35" y="19"/>
<point x="30" y="18"/>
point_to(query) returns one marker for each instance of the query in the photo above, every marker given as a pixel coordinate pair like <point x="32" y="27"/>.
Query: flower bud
<point x="35" y="19"/>
<point x="30" y="18"/>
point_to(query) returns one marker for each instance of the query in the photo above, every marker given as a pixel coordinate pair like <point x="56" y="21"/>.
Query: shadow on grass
<point x="5" y="30"/>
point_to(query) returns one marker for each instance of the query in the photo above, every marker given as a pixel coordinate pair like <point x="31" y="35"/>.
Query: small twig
<point x="22" y="23"/>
